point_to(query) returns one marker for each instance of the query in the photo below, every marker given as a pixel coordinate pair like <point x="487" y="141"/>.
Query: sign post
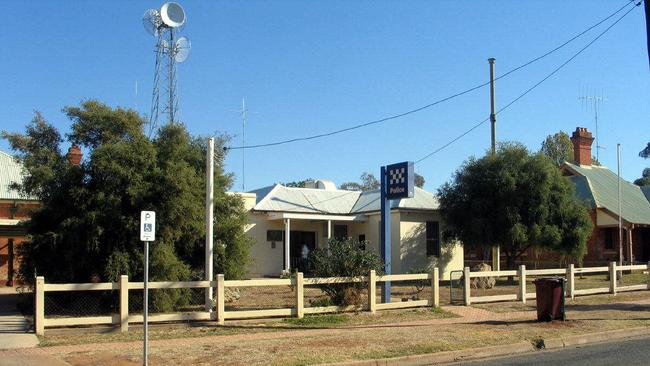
<point x="397" y="181"/>
<point x="147" y="234"/>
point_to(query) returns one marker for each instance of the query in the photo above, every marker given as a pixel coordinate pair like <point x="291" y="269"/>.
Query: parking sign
<point x="147" y="226"/>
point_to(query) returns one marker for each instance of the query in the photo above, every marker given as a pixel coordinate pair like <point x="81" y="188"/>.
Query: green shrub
<point x="344" y="258"/>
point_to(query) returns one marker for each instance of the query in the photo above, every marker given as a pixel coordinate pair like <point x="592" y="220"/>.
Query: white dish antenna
<point x="152" y="22"/>
<point x="172" y="15"/>
<point x="182" y="49"/>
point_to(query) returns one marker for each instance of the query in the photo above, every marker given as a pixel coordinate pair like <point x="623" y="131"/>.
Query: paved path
<point x="16" y="338"/>
<point x="14" y="328"/>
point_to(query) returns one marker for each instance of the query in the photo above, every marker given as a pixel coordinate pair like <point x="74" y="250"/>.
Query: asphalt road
<point x="627" y="352"/>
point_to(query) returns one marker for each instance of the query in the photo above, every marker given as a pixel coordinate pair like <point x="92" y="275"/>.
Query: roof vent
<point x="324" y="184"/>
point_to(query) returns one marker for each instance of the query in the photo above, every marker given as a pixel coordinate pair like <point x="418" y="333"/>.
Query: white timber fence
<point x="610" y="284"/>
<point x="122" y="318"/>
<point x="294" y="304"/>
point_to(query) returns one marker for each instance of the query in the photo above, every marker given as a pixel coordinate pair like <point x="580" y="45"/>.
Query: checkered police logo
<point x="397" y="176"/>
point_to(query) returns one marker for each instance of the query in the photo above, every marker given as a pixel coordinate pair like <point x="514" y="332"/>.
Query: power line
<point x="439" y="101"/>
<point x="529" y="89"/>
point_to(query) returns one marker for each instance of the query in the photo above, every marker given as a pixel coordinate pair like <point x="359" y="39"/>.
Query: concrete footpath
<point x="16" y="335"/>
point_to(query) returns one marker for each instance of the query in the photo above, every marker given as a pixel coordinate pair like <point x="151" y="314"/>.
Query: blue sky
<point x="308" y="67"/>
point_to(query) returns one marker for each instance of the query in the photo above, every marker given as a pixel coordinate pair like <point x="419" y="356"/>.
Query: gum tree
<point x="87" y="226"/>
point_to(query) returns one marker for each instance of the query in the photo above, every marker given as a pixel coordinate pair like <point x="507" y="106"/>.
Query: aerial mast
<point x="163" y="24"/>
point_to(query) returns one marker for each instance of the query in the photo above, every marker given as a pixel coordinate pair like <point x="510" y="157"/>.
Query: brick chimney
<point x="74" y="155"/>
<point x="582" y="141"/>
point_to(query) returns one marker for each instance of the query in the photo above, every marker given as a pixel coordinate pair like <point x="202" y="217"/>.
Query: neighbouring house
<point x="14" y="209"/>
<point x="598" y="187"/>
<point x="286" y="223"/>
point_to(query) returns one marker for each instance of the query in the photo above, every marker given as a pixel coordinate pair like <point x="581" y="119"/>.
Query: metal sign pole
<point x="385" y="235"/>
<point x="146" y="302"/>
<point x="147" y="235"/>
<point x="397" y="182"/>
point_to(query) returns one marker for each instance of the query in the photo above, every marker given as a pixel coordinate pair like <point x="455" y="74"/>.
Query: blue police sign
<point x="397" y="181"/>
<point x="400" y="180"/>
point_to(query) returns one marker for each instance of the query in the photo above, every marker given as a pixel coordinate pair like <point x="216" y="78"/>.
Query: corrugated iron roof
<point x="371" y="201"/>
<point x="646" y="191"/>
<point x="10" y="172"/>
<point x="336" y="202"/>
<point x="582" y="190"/>
<point x="603" y="185"/>
<point x="306" y="200"/>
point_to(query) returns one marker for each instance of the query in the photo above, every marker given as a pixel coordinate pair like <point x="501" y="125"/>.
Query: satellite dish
<point x="182" y="49"/>
<point x="151" y="21"/>
<point x="172" y="15"/>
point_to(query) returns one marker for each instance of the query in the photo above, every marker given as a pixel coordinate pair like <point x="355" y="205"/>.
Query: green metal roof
<point x="10" y="172"/>
<point x="602" y="185"/>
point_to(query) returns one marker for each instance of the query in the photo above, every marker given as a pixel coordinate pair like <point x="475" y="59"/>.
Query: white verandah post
<point x="287" y="245"/>
<point x="329" y="230"/>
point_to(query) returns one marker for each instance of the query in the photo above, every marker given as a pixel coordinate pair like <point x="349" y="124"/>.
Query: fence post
<point x="571" y="281"/>
<point x="39" y="311"/>
<point x="435" y="287"/>
<point x="648" y="270"/>
<point x="124" y="303"/>
<point x="612" y="278"/>
<point x="300" y="298"/>
<point x="372" y="291"/>
<point x="522" y="283"/>
<point x="466" y="286"/>
<point x="221" y="301"/>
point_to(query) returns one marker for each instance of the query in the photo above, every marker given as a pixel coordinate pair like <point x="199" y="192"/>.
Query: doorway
<point x="302" y="243"/>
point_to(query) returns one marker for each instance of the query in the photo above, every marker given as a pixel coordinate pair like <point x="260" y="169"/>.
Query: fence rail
<point x="218" y="312"/>
<point x="613" y="272"/>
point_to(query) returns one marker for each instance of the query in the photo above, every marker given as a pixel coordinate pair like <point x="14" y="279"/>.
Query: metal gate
<point x="456" y="287"/>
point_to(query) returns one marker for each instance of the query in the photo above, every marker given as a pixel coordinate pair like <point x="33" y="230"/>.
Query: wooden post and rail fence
<point x="568" y="273"/>
<point x="220" y="314"/>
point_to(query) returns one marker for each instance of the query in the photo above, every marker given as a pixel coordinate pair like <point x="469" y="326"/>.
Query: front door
<point x="302" y="243"/>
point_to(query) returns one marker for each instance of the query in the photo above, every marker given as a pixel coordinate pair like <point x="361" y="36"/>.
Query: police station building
<point x="286" y="223"/>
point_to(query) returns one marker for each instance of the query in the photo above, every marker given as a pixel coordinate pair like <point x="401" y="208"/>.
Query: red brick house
<point x="14" y="209"/>
<point x="598" y="187"/>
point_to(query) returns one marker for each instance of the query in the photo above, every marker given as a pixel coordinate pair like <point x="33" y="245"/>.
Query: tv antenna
<point x="164" y="24"/>
<point x="243" y="112"/>
<point x="592" y="101"/>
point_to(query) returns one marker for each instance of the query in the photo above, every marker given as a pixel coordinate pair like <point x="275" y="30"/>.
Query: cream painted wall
<point x="407" y="239"/>
<point x="413" y="250"/>
<point x="268" y="261"/>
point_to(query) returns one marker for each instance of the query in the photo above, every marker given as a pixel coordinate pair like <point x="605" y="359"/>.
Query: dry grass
<point x="363" y="343"/>
<point x="349" y="336"/>
<point x="73" y="336"/>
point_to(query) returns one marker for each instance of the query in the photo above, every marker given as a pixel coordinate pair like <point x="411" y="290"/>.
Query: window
<point x="362" y="241"/>
<point x="433" y="238"/>
<point x="274" y="235"/>
<point x="340" y="232"/>
<point x="609" y="239"/>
